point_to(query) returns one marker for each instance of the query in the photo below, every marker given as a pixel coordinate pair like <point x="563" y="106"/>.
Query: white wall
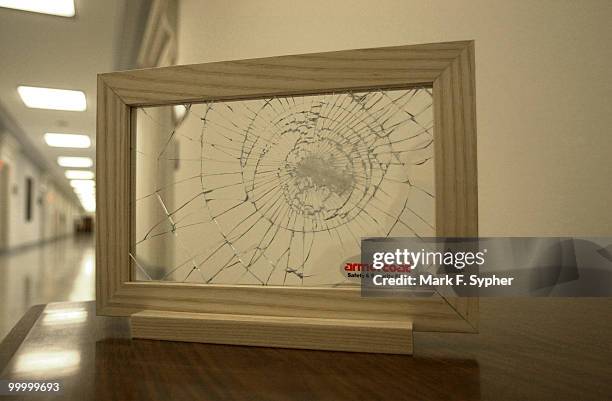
<point x="542" y="75"/>
<point x="20" y="231"/>
<point x="59" y="213"/>
<point x="48" y="203"/>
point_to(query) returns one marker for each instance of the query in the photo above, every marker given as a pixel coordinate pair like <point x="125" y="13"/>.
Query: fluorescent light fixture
<point x="54" y="99"/>
<point x="63" y="8"/>
<point x="84" y="191"/>
<point x="85" y="194"/>
<point x="79" y="174"/>
<point x="79" y="162"/>
<point x="67" y="140"/>
<point x="89" y="184"/>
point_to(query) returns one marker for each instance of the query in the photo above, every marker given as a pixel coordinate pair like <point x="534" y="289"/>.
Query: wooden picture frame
<point x="320" y="318"/>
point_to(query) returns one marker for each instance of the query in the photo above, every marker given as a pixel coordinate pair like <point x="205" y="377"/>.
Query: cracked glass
<point x="279" y="191"/>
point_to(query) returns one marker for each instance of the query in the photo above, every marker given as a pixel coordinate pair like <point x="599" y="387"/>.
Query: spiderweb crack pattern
<point x="279" y="191"/>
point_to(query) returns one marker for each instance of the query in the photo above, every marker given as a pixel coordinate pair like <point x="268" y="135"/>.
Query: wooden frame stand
<point x="334" y="318"/>
<point x="390" y="337"/>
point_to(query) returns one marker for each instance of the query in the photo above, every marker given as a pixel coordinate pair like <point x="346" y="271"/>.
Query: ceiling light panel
<point x="63" y="8"/>
<point x="79" y="174"/>
<point x="53" y="99"/>
<point x="82" y="184"/>
<point x="67" y="140"/>
<point x="79" y="162"/>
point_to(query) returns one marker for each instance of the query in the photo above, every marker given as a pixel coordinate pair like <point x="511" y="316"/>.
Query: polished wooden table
<point x="527" y="349"/>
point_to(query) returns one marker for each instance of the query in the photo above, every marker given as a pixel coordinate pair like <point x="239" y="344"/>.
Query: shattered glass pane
<point x="279" y="191"/>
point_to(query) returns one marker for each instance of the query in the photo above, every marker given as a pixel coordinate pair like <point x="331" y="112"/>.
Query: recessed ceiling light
<point x="85" y="193"/>
<point x="54" y="99"/>
<point x="87" y="184"/>
<point x="67" y="140"/>
<point x="79" y="174"/>
<point x="63" y="8"/>
<point x="66" y="161"/>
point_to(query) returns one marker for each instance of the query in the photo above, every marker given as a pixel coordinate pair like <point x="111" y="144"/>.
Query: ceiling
<point x="66" y="53"/>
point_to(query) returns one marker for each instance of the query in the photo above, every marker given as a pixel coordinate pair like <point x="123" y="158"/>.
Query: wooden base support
<point x="389" y="337"/>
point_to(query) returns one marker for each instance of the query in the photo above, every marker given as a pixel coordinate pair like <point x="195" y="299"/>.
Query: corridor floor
<point x="60" y="270"/>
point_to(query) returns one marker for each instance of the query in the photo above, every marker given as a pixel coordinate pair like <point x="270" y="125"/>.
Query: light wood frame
<point x="447" y="67"/>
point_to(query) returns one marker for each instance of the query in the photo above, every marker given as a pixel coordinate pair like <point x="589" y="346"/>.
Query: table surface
<point x="527" y="349"/>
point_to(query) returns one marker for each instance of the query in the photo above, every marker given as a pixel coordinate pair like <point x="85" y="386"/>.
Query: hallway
<point x="60" y="270"/>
